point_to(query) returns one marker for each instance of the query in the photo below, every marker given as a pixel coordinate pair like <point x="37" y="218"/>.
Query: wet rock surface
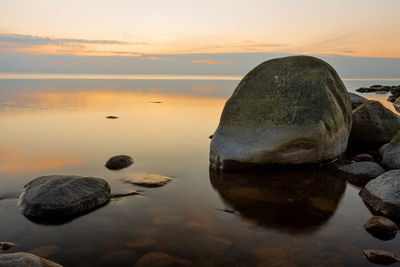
<point x="374" y="123"/>
<point x="381" y="257"/>
<point x="356" y="100"/>
<point x="382" y="194"/>
<point x="362" y="172"/>
<point x="59" y="197"/>
<point x="289" y="110"/>
<point x="381" y="227"/>
<point x="290" y="200"/>
<point x="149" y="180"/>
<point x="119" y="162"/>
<point x="23" y="259"/>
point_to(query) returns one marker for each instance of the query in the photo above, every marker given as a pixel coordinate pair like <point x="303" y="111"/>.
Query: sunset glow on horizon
<point x="136" y="28"/>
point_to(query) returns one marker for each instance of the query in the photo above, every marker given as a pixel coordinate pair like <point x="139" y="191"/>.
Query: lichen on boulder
<point x="289" y="110"/>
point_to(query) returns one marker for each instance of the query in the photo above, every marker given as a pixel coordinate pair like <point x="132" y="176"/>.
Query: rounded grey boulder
<point x="373" y="123"/>
<point x="356" y="100"/>
<point x="362" y="172"/>
<point x="382" y="194"/>
<point x="391" y="153"/>
<point x="290" y="110"/>
<point x="23" y="259"/>
<point x="60" y="197"/>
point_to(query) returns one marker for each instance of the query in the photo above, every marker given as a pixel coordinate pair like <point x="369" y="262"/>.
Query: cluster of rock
<point x="296" y="110"/>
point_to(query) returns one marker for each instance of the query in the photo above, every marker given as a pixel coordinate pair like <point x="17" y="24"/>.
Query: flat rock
<point x="382" y="194"/>
<point x="364" y="157"/>
<point x="381" y="227"/>
<point x="156" y="259"/>
<point x="373" y="123"/>
<point x="381" y="257"/>
<point x="356" y="100"/>
<point x="61" y="196"/>
<point x="290" y="110"/>
<point x="23" y="259"/>
<point x="360" y="173"/>
<point x="7" y="245"/>
<point x="149" y="180"/>
<point x="119" y="162"/>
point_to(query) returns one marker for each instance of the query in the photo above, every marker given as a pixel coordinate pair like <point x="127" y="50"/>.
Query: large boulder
<point x="382" y="194"/>
<point x="356" y="100"/>
<point x="391" y="153"/>
<point x="23" y="259"/>
<point x="290" y="110"/>
<point x="373" y="123"/>
<point x="59" y="197"/>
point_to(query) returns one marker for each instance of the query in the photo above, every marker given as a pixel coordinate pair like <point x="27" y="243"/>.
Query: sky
<point x="190" y="36"/>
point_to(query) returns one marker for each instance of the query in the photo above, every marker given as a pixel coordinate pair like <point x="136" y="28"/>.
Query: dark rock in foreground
<point x="149" y="180"/>
<point x="381" y="257"/>
<point x="364" y="157"/>
<point x="382" y="194"/>
<point x="59" y="196"/>
<point x="119" y="162"/>
<point x="23" y="259"/>
<point x="362" y="172"/>
<point x="374" y="123"/>
<point x="381" y="227"/>
<point x="290" y="110"/>
<point x="356" y="100"/>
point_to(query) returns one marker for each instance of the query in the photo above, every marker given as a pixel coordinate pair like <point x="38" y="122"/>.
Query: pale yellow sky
<point x="367" y="28"/>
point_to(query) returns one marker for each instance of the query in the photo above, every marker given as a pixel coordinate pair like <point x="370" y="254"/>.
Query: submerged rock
<point x="141" y="243"/>
<point x="156" y="259"/>
<point x="118" y="258"/>
<point x="362" y="172"/>
<point x="364" y="157"/>
<point x="60" y="196"/>
<point x="290" y="110"/>
<point x="381" y="257"/>
<point x="381" y="227"/>
<point x="23" y="259"/>
<point x="374" y="123"/>
<point x="119" y="162"/>
<point x="391" y="153"/>
<point x="7" y="245"/>
<point x="382" y="194"/>
<point x="356" y="100"/>
<point x="149" y="180"/>
<point x="292" y="200"/>
<point x="45" y="251"/>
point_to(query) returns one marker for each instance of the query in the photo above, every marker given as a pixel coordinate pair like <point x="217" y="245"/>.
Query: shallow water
<point x="274" y="217"/>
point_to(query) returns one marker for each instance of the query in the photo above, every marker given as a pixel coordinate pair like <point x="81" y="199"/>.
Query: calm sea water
<point x="277" y="218"/>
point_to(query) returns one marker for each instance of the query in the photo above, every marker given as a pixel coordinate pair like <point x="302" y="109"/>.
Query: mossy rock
<point x="289" y="110"/>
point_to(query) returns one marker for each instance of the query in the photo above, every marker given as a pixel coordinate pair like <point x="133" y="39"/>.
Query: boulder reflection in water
<point x="294" y="200"/>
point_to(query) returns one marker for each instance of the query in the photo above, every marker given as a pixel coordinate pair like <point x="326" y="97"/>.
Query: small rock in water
<point x="364" y="157"/>
<point x="7" y="245"/>
<point x="156" y="259"/>
<point x="141" y="243"/>
<point x="149" y="180"/>
<point x="381" y="227"/>
<point x="112" y="117"/>
<point x="382" y="194"/>
<point x="211" y="136"/>
<point x="119" y="162"/>
<point x="381" y="257"/>
<point x="362" y="172"/>
<point x="156" y="102"/>
<point x="20" y="259"/>
<point x="58" y="197"/>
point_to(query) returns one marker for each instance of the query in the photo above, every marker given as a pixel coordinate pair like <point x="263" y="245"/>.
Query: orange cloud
<point x="153" y="58"/>
<point x="14" y="160"/>
<point x="209" y="61"/>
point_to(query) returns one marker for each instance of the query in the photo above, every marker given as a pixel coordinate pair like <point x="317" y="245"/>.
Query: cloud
<point x="153" y="58"/>
<point x="203" y="89"/>
<point x="210" y="61"/>
<point x="39" y="40"/>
